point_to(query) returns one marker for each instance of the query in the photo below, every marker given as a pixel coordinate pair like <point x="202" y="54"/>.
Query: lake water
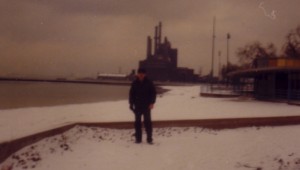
<point x="15" y="94"/>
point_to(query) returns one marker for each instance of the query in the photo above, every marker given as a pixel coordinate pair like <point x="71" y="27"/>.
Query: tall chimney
<point x="159" y="32"/>
<point x="149" y="47"/>
<point x="156" y="39"/>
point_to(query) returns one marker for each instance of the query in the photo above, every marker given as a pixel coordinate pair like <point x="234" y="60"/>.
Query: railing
<point x="295" y="95"/>
<point x="281" y="94"/>
<point x="218" y="90"/>
<point x="222" y="90"/>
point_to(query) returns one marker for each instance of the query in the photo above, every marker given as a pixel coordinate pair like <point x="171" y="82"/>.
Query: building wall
<point x="277" y="62"/>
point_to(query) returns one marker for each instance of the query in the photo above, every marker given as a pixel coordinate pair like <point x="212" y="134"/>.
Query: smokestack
<point x="149" y="47"/>
<point x="159" y="32"/>
<point x="156" y="39"/>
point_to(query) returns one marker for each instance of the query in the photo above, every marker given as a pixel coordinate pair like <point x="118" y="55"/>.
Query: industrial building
<point x="161" y="61"/>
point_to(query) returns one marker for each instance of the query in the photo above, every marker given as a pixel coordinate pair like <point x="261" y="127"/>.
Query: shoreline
<point x="95" y="81"/>
<point x="61" y="92"/>
<point x="125" y="83"/>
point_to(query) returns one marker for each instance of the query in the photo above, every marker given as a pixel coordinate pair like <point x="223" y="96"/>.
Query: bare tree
<point x="292" y="46"/>
<point x="250" y="52"/>
<point x="230" y="68"/>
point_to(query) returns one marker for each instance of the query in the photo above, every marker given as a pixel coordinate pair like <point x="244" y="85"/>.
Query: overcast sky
<point x="75" y="38"/>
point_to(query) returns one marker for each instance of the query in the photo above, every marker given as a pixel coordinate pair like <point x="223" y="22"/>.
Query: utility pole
<point x="213" y="49"/>
<point x="227" y="65"/>
<point x="228" y="37"/>
<point x="220" y="65"/>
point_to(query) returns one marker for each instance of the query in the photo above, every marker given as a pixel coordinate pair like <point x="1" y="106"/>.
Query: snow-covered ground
<point x="264" y="148"/>
<point x="179" y="103"/>
<point x="193" y="148"/>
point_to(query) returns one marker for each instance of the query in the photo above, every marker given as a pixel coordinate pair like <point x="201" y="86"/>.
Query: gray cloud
<point x="155" y="8"/>
<point x="83" y="37"/>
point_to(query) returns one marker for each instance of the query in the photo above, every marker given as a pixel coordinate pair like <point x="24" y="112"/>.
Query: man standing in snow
<point x="142" y="96"/>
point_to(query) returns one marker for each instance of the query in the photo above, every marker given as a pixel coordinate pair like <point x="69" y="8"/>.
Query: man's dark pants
<point x="146" y="113"/>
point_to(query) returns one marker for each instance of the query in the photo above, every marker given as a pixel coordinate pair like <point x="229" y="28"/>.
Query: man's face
<point x="141" y="76"/>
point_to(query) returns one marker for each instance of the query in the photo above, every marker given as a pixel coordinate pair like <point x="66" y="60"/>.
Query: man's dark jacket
<point x="142" y="93"/>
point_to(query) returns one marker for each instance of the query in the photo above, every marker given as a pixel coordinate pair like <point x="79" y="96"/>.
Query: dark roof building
<point x="272" y="78"/>
<point x="161" y="60"/>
